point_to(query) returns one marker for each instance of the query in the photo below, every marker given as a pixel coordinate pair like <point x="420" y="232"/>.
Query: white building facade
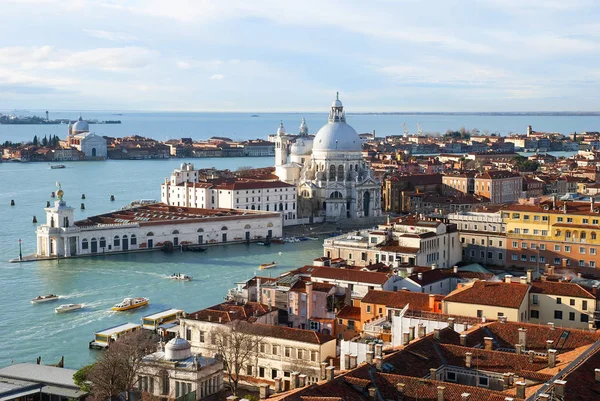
<point x="332" y="179"/>
<point x="92" y="145"/>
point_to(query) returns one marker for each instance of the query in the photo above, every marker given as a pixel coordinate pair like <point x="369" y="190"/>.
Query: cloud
<point x="217" y="76"/>
<point x="108" y="35"/>
<point x="184" y="65"/>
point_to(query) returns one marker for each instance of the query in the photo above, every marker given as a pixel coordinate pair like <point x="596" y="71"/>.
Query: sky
<point x="287" y="55"/>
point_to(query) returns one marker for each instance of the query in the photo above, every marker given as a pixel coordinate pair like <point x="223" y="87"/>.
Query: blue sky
<point x="283" y="55"/>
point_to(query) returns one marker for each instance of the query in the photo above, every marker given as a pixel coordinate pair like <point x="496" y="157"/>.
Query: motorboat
<point x="44" y="298"/>
<point x="68" y="308"/>
<point x="55" y="166"/>
<point x="180" y="277"/>
<point x="268" y="265"/>
<point x="312" y="238"/>
<point x="130" y="303"/>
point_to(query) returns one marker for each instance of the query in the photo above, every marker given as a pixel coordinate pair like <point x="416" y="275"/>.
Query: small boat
<point x="312" y="238"/>
<point x="277" y="241"/>
<point x="68" y="308"/>
<point x="130" y="303"/>
<point x="180" y="277"/>
<point x="268" y="265"/>
<point x="44" y="298"/>
<point x="262" y="243"/>
<point x="55" y="166"/>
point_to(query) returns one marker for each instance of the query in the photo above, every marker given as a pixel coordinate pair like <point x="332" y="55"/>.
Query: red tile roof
<point x="399" y="299"/>
<point x="288" y="333"/>
<point x="507" y="295"/>
<point x="560" y="288"/>
<point x="230" y="311"/>
<point x="357" y="276"/>
<point x="349" y="312"/>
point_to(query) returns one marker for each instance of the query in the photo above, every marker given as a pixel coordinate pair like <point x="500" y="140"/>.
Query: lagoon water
<point x="29" y="331"/>
<point x="241" y="126"/>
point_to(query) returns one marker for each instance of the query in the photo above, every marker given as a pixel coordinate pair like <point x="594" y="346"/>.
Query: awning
<point x="62" y="391"/>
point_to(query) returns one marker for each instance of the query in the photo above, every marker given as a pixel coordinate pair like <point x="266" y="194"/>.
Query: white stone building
<point x="92" y="145"/>
<point x="173" y="371"/>
<point x="332" y="178"/>
<point x="184" y="188"/>
<point x="148" y="227"/>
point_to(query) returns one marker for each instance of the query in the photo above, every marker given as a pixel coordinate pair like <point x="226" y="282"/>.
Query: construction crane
<point x="405" y="130"/>
<point x="419" y="129"/>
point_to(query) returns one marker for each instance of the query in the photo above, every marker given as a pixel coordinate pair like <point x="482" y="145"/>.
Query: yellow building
<point x="564" y="304"/>
<point x="553" y="232"/>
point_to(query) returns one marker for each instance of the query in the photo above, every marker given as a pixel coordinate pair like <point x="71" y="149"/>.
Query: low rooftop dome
<point x="178" y="349"/>
<point x="281" y="129"/>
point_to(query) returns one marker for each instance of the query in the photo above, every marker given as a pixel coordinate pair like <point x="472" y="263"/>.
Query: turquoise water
<point x="29" y="331"/>
<point x="240" y="126"/>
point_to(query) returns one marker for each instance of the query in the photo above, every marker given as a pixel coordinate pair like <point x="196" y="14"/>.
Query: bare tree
<point x="116" y="371"/>
<point x="236" y="343"/>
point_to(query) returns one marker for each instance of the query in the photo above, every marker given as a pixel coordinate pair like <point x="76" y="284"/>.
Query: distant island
<point x="10" y="119"/>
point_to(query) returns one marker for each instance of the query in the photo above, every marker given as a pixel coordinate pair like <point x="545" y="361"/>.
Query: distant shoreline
<point x="491" y="113"/>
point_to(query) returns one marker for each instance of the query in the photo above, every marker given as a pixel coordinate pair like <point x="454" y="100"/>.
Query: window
<point x="248" y="370"/>
<point x="514" y="256"/>
<point x="558" y="300"/>
<point x="524" y="258"/>
<point x="117" y="241"/>
<point x="517" y="231"/>
<point x="275" y="351"/>
<point x="523" y="245"/>
<point x="569" y="220"/>
<point x="525" y="231"/>
<point x="313" y="356"/>
<point x="584" y="305"/>
<point x="261" y="371"/>
<point x="567" y="248"/>
<point x="368" y="308"/>
<point x="592" y="251"/>
<point x="558" y="314"/>
<point x="584" y="318"/>
<point x="483" y="381"/>
<point x="532" y="258"/>
<point x="84" y="244"/>
<point x="533" y="245"/>
<point x="515" y="244"/>
<point x="556" y="261"/>
<point x="544" y="218"/>
<point x="535" y="300"/>
<point x="582" y="250"/>
<point x="572" y="302"/>
<point x="516" y="215"/>
<point x="560" y="219"/>
<point x="287" y="352"/>
<point x="545" y="233"/>
<point x="188" y="334"/>
<point x="572" y="316"/>
<point x="479" y="313"/>
<point x="262" y="347"/>
<point x="542" y="247"/>
<point x="542" y="259"/>
<point x="102" y="242"/>
<point x="451" y="376"/>
<point x="582" y="263"/>
<point x="557" y="248"/>
<point x="535" y="314"/>
<point x="536" y="218"/>
<point x="201" y="336"/>
<point x="592" y="263"/>
<point x="133" y="240"/>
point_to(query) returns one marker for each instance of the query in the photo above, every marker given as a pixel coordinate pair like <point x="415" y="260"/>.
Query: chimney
<point x="597" y="375"/>
<point x="353" y="360"/>
<point x="431" y="302"/>
<point x="468" y="359"/>
<point x="502" y="319"/>
<point x="400" y="388"/>
<point x="370" y="355"/>
<point x="371" y="347"/>
<point x="550" y="271"/>
<point x="309" y="301"/>
<point x="591" y="204"/>
<point x="508" y="278"/>
<point x="440" y="391"/>
<point x="405" y="338"/>
<point x="420" y="276"/>
<point x="411" y="331"/>
<point x="553" y="202"/>
<point x="432" y="373"/>
<point x="451" y="322"/>
<point x="489" y="343"/>
<point x="506" y="380"/>
<point x="372" y="393"/>
<point x="520" y="389"/>
<point x="531" y="356"/>
<point x="264" y="391"/>
<point x="379" y="350"/>
<point x="463" y="340"/>
<point x="301" y="380"/>
<point x="523" y="337"/>
<point x="465" y="397"/>
<point x="564" y="208"/>
<point x="559" y="387"/>
<point x="551" y="325"/>
<point x="549" y="344"/>
<point x="564" y="263"/>
<point x="323" y="372"/>
<point x="551" y="358"/>
<point x="258" y="294"/>
<point x="277" y="385"/>
<point x="529" y="276"/>
<point x="523" y="280"/>
<point x="422" y="330"/>
<point x="518" y="349"/>
<point x="330" y="373"/>
<point x="433" y="266"/>
<point x="379" y="363"/>
<point x="436" y="334"/>
<point x="347" y="361"/>
<point x="455" y="269"/>
<point x="294" y="380"/>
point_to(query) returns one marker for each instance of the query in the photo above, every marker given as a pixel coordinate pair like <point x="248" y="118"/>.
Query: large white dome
<point x="337" y="136"/>
<point x="81" y="126"/>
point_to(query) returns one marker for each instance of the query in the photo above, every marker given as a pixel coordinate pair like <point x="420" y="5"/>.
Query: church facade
<point x="92" y="145"/>
<point x="332" y="179"/>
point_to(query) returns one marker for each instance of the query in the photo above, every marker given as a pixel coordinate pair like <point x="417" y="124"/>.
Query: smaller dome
<point x="301" y="147"/>
<point x="81" y="126"/>
<point x="337" y="103"/>
<point x="281" y="129"/>
<point x="178" y="349"/>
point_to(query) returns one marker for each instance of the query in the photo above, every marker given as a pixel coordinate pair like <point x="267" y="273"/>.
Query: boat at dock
<point x="268" y="265"/>
<point x="44" y="298"/>
<point x="103" y="339"/>
<point x="130" y="303"/>
<point x="193" y="248"/>
<point x="180" y="277"/>
<point x="68" y="308"/>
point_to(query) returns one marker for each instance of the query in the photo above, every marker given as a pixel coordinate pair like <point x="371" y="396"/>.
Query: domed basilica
<point x="332" y="178"/>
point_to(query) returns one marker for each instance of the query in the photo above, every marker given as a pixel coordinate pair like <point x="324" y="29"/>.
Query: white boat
<point x="44" y="298"/>
<point x="130" y="303"/>
<point x="55" y="166"/>
<point x="68" y="308"/>
<point x="180" y="277"/>
<point x="268" y="265"/>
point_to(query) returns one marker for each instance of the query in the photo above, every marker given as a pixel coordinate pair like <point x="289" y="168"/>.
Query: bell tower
<point x="281" y="146"/>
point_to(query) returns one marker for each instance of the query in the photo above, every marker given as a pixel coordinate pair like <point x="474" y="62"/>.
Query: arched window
<point x="102" y="242"/>
<point x="224" y="228"/>
<point x="557" y="233"/>
<point x="116" y="241"/>
<point x="252" y="207"/>
<point x="133" y="240"/>
<point x="568" y="234"/>
<point x="340" y="176"/>
<point x="583" y="235"/>
<point x="356" y="167"/>
<point x="84" y="244"/>
<point x="200" y="230"/>
<point x="304" y="193"/>
<point x="593" y="235"/>
<point x="332" y="172"/>
<point x="165" y="382"/>
<point x="336" y="195"/>
<point x="51" y="221"/>
<point x="150" y="234"/>
<point x="247" y="227"/>
<point x="175" y="232"/>
<point x="281" y="207"/>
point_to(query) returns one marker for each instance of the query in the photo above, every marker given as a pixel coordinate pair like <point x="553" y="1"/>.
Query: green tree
<point x="45" y="141"/>
<point x="80" y="378"/>
<point x="35" y="140"/>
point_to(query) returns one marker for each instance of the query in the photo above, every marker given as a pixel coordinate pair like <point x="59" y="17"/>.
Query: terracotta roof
<point x="336" y="273"/>
<point x="393" y="247"/>
<point x="429" y="277"/>
<point x="399" y="299"/>
<point x="560" y="288"/>
<point x="507" y="295"/>
<point x="288" y="333"/>
<point x="581" y="384"/>
<point x="230" y="311"/>
<point x="251" y="184"/>
<point x="349" y="312"/>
